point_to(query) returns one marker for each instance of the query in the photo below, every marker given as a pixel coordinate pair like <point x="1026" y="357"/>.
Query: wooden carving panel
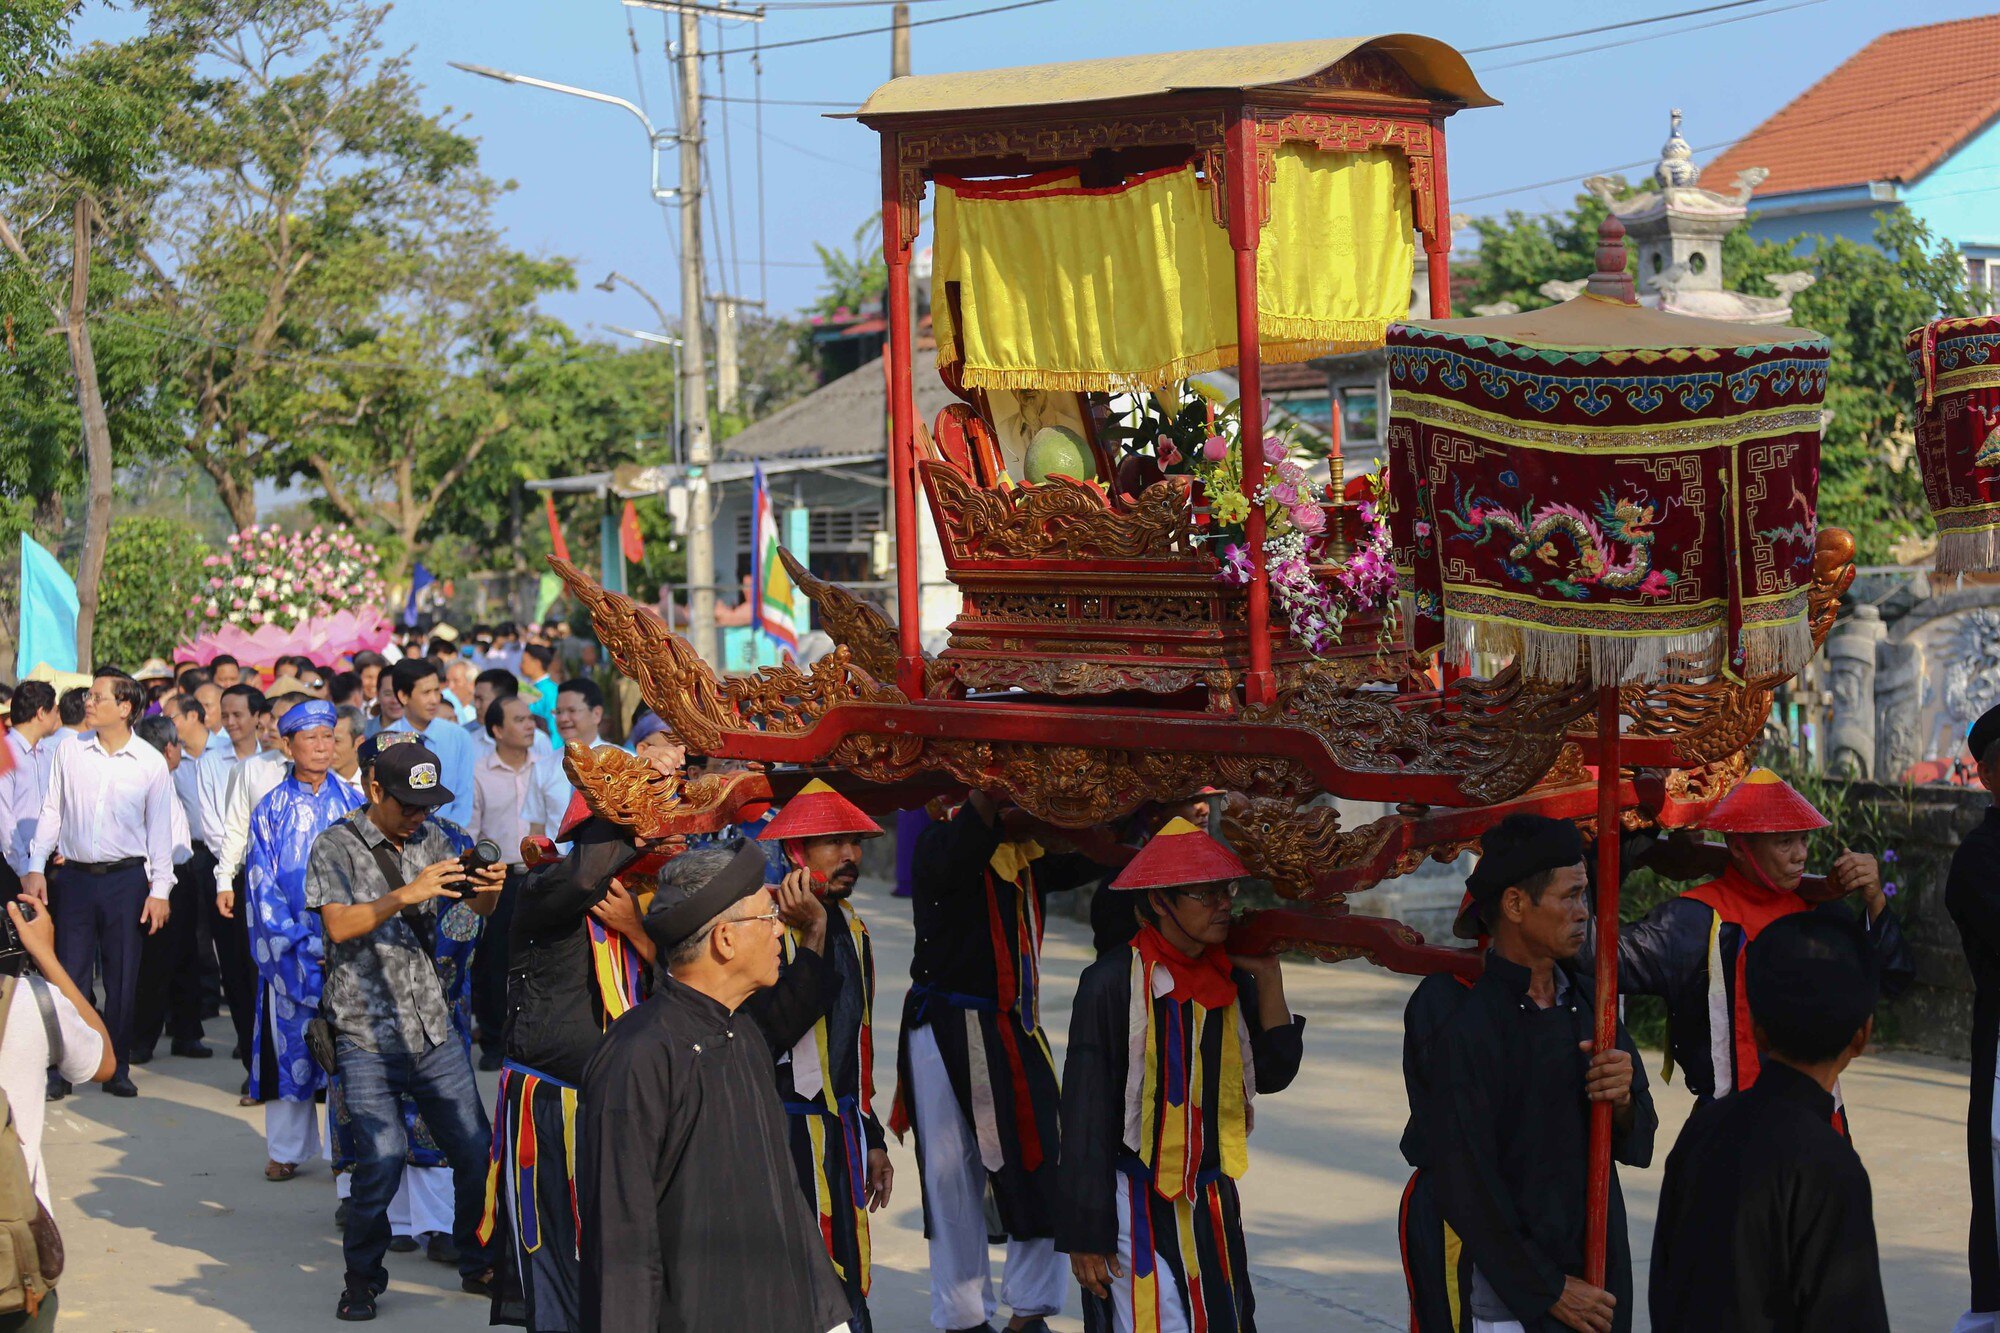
<point x="1060" y="520"/>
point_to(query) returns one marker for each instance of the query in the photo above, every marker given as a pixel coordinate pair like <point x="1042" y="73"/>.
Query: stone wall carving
<point x="1850" y="654"/>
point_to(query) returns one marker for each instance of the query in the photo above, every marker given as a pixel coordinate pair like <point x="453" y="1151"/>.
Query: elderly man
<point x="1169" y="1041"/>
<point x="1513" y="1079"/>
<point x="109" y="811"/>
<point x="1689" y="949"/>
<point x="827" y="1078"/>
<point x="690" y="1211"/>
<point x="1972" y="896"/>
<point x="379" y="879"/>
<point x="285" y="935"/>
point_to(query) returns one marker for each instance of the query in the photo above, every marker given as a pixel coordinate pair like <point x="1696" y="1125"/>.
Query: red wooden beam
<point x="1390" y="943"/>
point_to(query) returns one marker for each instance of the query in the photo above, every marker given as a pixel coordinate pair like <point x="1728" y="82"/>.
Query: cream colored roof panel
<point x="1435" y="67"/>
<point x="1591" y="323"/>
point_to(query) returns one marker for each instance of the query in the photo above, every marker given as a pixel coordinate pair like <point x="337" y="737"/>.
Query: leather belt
<point x="105" y="867"/>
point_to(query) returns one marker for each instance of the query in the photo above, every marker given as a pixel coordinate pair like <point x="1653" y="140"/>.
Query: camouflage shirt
<point x="382" y="989"/>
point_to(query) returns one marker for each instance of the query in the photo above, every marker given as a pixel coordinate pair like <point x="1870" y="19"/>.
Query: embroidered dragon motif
<point x="1588" y="563"/>
<point x="1989" y="450"/>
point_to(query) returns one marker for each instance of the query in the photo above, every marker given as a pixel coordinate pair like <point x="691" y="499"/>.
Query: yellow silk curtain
<point x="1060" y="287"/>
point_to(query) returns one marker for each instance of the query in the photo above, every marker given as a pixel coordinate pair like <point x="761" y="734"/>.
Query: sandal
<point x="277" y="1171"/>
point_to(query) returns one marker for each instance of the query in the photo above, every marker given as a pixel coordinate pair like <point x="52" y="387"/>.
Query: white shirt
<point x="249" y="782"/>
<point x="498" y="793"/>
<point x="482" y="743"/>
<point x="105" y="805"/>
<point x="548" y="793"/>
<point x="24" y="1067"/>
<point x="22" y="789"/>
<point x="183" y="842"/>
<point x="218" y="763"/>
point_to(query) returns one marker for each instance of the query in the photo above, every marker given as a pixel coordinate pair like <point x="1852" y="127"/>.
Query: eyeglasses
<point x="1220" y="896"/>
<point x="773" y="916"/>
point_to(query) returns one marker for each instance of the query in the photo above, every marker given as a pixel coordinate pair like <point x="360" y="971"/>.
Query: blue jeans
<point x="440" y="1082"/>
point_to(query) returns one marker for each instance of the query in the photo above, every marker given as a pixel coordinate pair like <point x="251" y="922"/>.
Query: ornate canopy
<point x="1957" y="365"/>
<point x="1605" y="491"/>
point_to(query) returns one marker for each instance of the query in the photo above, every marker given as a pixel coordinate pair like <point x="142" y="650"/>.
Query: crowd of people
<point x="380" y="869"/>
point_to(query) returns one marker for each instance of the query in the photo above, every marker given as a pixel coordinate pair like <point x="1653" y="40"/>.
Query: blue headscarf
<point x="311" y="713"/>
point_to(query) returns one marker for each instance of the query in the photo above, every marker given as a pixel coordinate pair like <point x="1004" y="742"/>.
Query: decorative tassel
<point x="1976" y="551"/>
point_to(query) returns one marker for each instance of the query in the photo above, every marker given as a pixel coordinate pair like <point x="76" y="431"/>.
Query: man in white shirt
<point x="500" y="780"/>
<point x="169" y="984"/>
<point x="237" y="745"/>
<point x="32" y="711"/>
<point x="579" y="714"/>
<point x="500" y="683"/>
<point x="109" y="812"/>
<point x="419" y="688"/>
<point x="459" y="694"/>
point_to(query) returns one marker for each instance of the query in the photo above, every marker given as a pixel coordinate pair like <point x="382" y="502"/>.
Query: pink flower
<point x="215" y="583"/>
<point x="1169" y="455"/>
<point x="1274" y="449"/>
<point x="1215" y="448"/>
<point x="1309" y="518"/>
<point x="1284" y="493"/>
<point x="1423" y="529"/>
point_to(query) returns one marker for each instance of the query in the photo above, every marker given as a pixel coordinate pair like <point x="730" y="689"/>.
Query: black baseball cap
<point x="410" y="773"/>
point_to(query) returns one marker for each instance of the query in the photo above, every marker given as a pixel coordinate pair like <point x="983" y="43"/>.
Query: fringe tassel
<point x="1561" y="656"/>
<point x="1974" y="552"/>
<point x="1288" y="340"/>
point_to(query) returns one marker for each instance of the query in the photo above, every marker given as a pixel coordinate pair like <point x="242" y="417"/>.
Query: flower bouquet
<point x="271" y="593"/>
<point x="1318" y="577"/>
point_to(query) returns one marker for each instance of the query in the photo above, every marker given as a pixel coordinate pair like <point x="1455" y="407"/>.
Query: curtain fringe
<point x="1562" y="656"/>
<point x="1290" y="340"/>
<point x="1975" y="552"/>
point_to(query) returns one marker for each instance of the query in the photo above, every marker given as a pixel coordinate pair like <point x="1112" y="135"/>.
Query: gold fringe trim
<point x="1563" y="656"/>
<point x="1974" y="552"/>
<point x="1288" y="339"/>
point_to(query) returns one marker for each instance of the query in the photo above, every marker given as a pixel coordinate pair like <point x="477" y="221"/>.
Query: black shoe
<point x="340" y="1215"/>
<point x="121" y="1087"/>
<point x="191" y="1050"/>
<point x="59" y="1088"/>
<point x="357" y="1303"/>
<point x="976" y="1328"/>
<point x="140" y="1057"/>
<point x="244" y="1091"/>
<point x="440" y="1250"/>
<point x="1035" y="1325"/>
<point x="490" y="1061"/>
<point x="236" y="1051"/>
<point x="403" y="1245"/>
<point x="476" y="1284"/>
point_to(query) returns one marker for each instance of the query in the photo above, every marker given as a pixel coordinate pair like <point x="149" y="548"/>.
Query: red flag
<point x="555" y="528"/>
<point x="629" y="539"/>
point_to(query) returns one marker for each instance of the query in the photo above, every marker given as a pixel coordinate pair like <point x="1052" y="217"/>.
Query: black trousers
<point x="489" y="964"/>
<point x="169" y="976"/>
<point x="239" y="972"/>
<point x="97" y="918"/>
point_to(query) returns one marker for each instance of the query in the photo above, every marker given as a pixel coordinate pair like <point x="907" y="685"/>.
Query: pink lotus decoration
<point x="322" y="638"/>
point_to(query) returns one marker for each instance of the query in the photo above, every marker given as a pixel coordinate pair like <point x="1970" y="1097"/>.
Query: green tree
<point x="853" y="281"/>
<point x="152" y="574"/>
<point x="1521" y="251"/>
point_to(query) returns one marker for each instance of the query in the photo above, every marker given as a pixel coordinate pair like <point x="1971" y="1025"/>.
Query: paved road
<point x="170" y="1225"/>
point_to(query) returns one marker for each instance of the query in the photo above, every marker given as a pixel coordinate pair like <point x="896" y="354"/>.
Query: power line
<point x="779" y="101"/>
<point x="807" y="152"/>
<point x="1649" y="37"/>
<point x="729" y="177"/>
<point x="757" y="145"/>
<point x="870" y="32"/>
<point x="1608" y="27"/>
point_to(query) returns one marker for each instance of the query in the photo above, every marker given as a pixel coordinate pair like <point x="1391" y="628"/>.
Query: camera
<point x="11" y="948"/>
<point x="476" y="858"/>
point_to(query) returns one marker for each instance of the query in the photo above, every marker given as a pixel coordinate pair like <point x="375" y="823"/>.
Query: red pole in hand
<point x="1597" y="1200"/>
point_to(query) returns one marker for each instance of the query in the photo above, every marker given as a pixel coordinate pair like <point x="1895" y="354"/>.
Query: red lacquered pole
<point x="1597" y="1201"/>
<point x="1437" y="242"/>
<point x="1240" y="164"/>
<point x="898" y="232"/>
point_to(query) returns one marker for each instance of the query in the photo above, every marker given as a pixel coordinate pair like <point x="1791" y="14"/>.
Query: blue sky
<point x="581" y="171"/>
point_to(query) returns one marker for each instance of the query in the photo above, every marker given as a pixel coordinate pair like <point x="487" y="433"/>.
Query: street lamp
<point x="654" y="138"/>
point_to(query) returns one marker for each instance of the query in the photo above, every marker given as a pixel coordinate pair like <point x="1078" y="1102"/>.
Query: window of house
<point x="1360" y="417"/>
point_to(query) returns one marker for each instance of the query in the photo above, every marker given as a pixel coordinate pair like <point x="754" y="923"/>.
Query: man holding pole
<point x="1512" y="1130"/>
<point x="1972" y="896"/>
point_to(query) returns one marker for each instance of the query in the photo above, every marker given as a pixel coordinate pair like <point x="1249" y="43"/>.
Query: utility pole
<point x="727" y="329"/>
<point x="899" y="42"/>
<point x="694" y="372"/>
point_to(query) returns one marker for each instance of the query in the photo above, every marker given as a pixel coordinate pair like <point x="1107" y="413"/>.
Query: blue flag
<point x="48" y="612"/>
<point x="419" y="580"/>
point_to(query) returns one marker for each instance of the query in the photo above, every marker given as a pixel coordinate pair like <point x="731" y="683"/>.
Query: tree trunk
<point x="96" y="439"/>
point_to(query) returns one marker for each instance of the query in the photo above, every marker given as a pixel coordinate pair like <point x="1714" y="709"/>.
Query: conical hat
<point x="1764" y="803"/>
<point x="819" y="811"/>
<point x="1179" y="854"/>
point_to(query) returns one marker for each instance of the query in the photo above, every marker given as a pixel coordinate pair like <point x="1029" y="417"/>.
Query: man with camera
<point x="378" y="879"/>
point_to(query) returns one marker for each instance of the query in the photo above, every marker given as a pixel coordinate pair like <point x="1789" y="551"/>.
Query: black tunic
<point x="1435" y="1267"/>
<point x="1972" y="896"/>
<point x="555" y="1013"/>
<point x="692" y="1217"/>
<point x="975" y="982"/>
<point x="1510" y="1141"/>
<point x="1765" y="1223"/>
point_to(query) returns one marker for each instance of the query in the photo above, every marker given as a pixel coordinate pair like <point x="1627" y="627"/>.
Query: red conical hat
<point x="819" y="811"/>
<point x="1764" y="803"/>
<point x="1179" y="854"/>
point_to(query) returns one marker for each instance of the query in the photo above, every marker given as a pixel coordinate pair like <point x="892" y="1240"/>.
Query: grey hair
<point x="679" y="880"/>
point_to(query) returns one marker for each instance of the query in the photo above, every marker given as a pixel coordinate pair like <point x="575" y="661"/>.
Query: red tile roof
<point x="1891" y="111"/>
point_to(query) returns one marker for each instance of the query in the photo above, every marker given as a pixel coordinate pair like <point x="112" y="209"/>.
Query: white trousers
<point x="423" y="1202"/>
<point x="292" y="1134"/>
<point x="1495" y="1326"/>
<point x="1173" y="1316"/>
<point x="1035" y="1277"/>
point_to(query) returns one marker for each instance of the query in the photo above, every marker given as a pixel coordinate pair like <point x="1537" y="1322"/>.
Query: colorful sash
<point x="518" y="1147"/>
<point x="838" y="1129"/>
